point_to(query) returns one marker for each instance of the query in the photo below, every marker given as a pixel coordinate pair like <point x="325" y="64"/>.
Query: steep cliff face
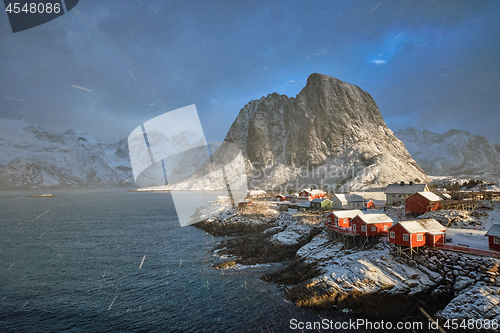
<point x="454" y="153"/>
<point x="331" y="134"/>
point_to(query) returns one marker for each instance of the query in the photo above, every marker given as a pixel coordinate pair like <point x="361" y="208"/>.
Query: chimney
<point x="411" y="183"/>
<point x="402" y="183"/>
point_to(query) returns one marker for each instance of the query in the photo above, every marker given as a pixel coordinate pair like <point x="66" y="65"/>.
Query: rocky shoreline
<point x="371" y="281"/>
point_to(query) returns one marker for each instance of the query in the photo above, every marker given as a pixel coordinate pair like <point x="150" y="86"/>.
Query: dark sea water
<point x="71" y="264"/>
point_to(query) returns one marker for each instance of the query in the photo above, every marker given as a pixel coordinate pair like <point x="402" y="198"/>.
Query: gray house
<point x="397" y="193"/>
<point x="348" y="201"/>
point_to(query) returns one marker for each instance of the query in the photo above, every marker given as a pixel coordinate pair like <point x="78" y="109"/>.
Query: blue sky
<point x="428" y="64"/>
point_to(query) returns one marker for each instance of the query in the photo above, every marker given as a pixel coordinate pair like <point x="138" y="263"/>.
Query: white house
<point x="348" y="201"/>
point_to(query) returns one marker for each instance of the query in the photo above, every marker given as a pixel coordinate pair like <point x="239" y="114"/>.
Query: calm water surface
<point x="72" y="263"/>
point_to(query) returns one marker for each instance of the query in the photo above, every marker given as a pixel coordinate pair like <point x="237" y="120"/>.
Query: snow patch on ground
<point x="473" y="238"/>
<point x="479" y="301"/>
<point x="368" y="270"/>
<point x="293" y="234"/>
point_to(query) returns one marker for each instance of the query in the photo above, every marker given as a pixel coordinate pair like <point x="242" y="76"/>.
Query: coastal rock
<point x="227" y="264"/>
<point x="358" y="278"/>
<point x="462" y="282"/>
<point x="479" y="301"/>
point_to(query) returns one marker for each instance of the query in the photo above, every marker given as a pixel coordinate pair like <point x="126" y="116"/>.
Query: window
<point x="420" y="237"/>
<point x="392" y="234"/>
<point x="406" y="237"/>
<point x="496" y="240"/>
<point x="374" y="228"/>
<point x="385" y="227"/>
<point x="363" y="228"/>
<point x="353" y="227"/>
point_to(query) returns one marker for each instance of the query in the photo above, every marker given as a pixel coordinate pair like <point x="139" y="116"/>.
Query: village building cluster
<point x="355" y="215"/>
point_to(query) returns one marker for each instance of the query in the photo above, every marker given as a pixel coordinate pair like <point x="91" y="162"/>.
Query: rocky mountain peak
<point x="329" y="123"/>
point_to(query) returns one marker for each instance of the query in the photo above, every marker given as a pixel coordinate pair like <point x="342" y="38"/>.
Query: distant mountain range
<point x="33" y="158"/>
<point x="331" y="134"/>
<point x="454" y="153"/>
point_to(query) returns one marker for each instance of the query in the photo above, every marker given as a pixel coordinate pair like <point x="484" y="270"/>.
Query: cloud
<point x="379" y="62"/>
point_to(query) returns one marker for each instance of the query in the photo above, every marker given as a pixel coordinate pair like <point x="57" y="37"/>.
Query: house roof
<point x="423" y="225"/>
<point x="494" y="230"/>
<point x="305" y="204"/>
<point x="404" y="189"/>
<point x="375" y="218"/>
<point x="256" y="192"/>
<point x="430" y="196"/>
<point x="436" y="232"/>
<point x="378" y="202"/>
<point x="345" y="198"/>
<point x="341" y="214"/>
<point x="320" y="200"/>
<point x="313" y="191"/>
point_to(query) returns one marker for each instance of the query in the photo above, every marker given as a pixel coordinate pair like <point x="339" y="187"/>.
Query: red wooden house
<point x="310" y="194"/>
<point x="280" y="197"/>
<point x="370" y="204"/>
<point x="342" y="218"/>
<point x="494" y="237"/>
<point x="371" y="224"/>
<point x="422" y="202"/>
<point x="244" y="204"/>
<point x="417" y="233"/>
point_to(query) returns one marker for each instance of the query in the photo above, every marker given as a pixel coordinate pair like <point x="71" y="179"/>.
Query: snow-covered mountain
<point x="331" y="134"/>
<point x="454" y="153"/>
<point x="33" y="158"/>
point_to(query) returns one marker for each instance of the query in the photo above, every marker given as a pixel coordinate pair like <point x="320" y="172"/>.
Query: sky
<point x="108" y="66"/>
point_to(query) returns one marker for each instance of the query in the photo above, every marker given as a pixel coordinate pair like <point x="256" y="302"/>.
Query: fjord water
<point x="73" y="263"/>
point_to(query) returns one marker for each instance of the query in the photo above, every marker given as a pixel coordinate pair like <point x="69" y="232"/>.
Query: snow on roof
<point x="405" y="189"/>
<point x="256" y="192"/>
<point x="378" y="202"/>
<point x="430" y="196"/>
<point x="375" y="218"/>
<point x="320" y="200"/>
<point x="313" y="191"/>
<point x="341" y="214"/>
<point x="436" y="232"/>
<point x="423" y="225"/>
<point x="494" y="231"/>
<point x="345" y="198"/>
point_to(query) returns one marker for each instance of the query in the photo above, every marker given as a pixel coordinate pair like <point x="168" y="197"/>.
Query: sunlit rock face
<point x="331" y="134"/>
